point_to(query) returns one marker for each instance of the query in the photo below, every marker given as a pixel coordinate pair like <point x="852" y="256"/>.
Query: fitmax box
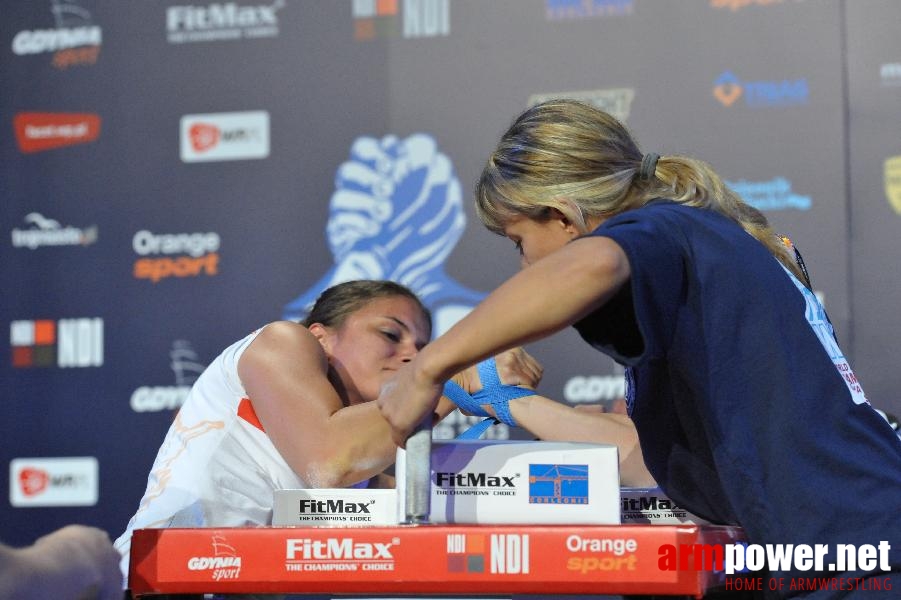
<point x="519" y="482"/>
<point x="652" y="506"/>
<point x="334" y="508"/>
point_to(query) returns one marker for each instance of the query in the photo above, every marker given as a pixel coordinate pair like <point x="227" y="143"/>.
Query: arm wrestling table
<point x="419" y="558"/>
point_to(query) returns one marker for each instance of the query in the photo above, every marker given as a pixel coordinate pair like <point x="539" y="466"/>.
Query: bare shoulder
<point x="283" y="342"/>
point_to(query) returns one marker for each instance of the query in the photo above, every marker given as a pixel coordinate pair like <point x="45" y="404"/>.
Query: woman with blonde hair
<point x="746" y="409"/>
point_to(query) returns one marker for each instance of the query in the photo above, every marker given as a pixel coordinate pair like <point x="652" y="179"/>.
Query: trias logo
<point x="183" y="255"/>
<point x="48" y="232"/>
<point x="64" y="343"/>
<point x="74" y="41"/>
<point x="69" y="481"/>
<point x="222" y="21"/>
<point x="225" y="563"/>
<point x="36" y="132"/>
<point x="186" y="366"/>
<point x="225" y="136"/>
<point x="728" y="89"/>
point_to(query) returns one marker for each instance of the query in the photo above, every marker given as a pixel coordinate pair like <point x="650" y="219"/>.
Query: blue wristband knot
<point x="493" y="393"/>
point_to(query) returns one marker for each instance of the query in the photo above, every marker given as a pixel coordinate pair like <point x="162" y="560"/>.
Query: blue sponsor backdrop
<point x="175" y="174"/>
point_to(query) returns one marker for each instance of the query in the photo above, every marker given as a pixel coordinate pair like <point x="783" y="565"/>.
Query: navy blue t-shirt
<point x="746" y="409"/>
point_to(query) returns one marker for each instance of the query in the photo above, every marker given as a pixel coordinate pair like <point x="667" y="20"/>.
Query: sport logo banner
<point x="223" y="562"/>
<point x="75" y="40"/>
<point x="893" y="182"/>
<point x="45" y="131"/>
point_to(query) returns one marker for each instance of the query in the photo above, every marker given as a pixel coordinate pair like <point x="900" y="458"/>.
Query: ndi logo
<point x="775" y="194"/>
<point x="66" y="343"/>
<point x="419" y="18"/>
<point x="558" y="484"/>
<point x="728" y="89"/>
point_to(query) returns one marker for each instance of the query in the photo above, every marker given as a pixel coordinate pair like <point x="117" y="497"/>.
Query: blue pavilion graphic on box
<point x="558" y="484"/>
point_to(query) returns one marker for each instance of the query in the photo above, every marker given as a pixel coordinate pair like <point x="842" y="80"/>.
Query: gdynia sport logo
<point x="747" y="559"/>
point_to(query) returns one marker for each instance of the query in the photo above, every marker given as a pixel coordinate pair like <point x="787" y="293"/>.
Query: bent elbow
<point x="328" y="474"/>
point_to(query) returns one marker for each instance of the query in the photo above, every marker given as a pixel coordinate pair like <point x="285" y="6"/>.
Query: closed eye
<point x="518" y="246"/>
<point x="394" y="337"/>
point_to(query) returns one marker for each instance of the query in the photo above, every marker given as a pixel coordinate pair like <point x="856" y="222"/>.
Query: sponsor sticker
<point x="64" y="343"/>
<point x="375" y="19"/>
<point x="225" y="136"/>
<point x="69" y="481"/>
<point x="558" y="484"/>
<point x="36" y="131"/>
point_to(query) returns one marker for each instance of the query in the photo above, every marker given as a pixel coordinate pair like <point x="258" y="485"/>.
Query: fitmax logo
<point x="472" y="480"/>
<point x="337" y="549"/>
<point x="319" y="507"/>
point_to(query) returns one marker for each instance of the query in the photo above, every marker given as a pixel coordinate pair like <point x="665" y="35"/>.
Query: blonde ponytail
<point x="581" y="161"/>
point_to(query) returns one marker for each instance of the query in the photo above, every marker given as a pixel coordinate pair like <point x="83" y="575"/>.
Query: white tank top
<point x="216" y="467"/>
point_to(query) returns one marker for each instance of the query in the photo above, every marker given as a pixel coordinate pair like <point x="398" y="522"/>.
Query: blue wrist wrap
<point x="493" y="392"/>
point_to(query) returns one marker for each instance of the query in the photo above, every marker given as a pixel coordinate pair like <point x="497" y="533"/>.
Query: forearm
<point x="356" y="445"/>
<point x="361" y="446"/>
<point x="552" y="421"/>
<point x="544" y="298"/>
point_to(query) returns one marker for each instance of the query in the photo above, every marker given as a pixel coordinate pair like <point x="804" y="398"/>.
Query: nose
<point x="407" y="351"/>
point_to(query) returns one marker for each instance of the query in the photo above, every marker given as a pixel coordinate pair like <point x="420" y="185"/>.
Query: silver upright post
<point x="419" y="473"/>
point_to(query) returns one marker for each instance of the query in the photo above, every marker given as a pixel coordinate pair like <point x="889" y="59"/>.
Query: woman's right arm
<point x="285" y="373"/>
<point x="555" y="422"/>
<point x="540" y="300"/>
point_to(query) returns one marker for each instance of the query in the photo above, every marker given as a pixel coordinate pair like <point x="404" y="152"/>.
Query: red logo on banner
<point x="203" y="136"/>
<point x="45" y="131"/>
<point x="33" y="481"/>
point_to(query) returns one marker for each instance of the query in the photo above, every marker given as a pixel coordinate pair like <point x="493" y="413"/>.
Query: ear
<point x="559" y="217"/>
<point x="323" y="334"/>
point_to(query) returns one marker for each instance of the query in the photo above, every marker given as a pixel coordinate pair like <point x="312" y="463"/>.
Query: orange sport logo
<point x="178" y="255"/>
